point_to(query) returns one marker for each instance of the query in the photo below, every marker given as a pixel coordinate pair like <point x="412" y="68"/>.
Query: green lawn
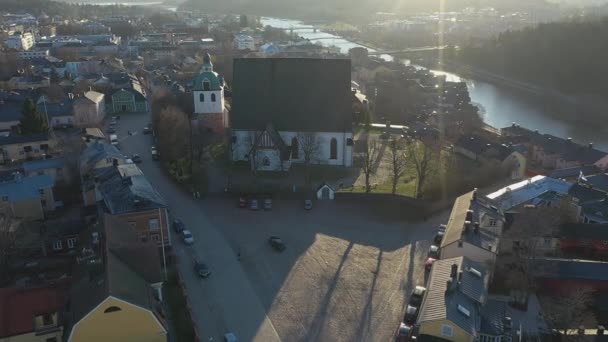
<point x="178" y="312"/>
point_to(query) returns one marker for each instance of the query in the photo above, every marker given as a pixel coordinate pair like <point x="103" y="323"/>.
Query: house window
<point x="27" y="148"/>
<point x="295" y="148"/>
<point x="143" y="237"/>
<point x="71" y="243"/>
<point x="492" y="222"/>
<point x="47" y="319"/>
<point x="108" y="160"/>
<point x="333" y="149"/>
<point x="547" y="242"/>
<point x="349" y="142"/>
<point x="36" y="150"/>
<point x="447" y="330"/>
<point x="206" y="85"/>
<point x="41" y="191"/>
<point x="266" y="161"/>
<point x="153" y="224"/>
<point x="201" y="97"/>
<point x="212" y="97"/>
<point x="112" y="309"/>
<point x="155" y="237"/>
<point x="133" y="224"/>
<point x="57" y="245"/>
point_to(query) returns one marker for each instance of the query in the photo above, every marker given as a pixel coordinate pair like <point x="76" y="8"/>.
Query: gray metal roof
<point x="127" y="194"/>
<point x="294" y="94"/>
<point x="461" y="304"/>
<point x="96" y="152"/>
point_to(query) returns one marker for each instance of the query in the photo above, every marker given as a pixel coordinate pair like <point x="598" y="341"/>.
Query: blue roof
<point x="43" y="164"/>
<point x="571" y="269"/>
<point x="25" y="188"/>
<point x="63" y="108"/>
<point x="96" y="152"/>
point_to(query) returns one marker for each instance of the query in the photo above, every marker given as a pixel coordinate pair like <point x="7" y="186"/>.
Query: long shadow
<point x="409" y="281"/>
<point x="366" y="316"/>
<point x="379" y="158"/>
<point x="317" y="323"/>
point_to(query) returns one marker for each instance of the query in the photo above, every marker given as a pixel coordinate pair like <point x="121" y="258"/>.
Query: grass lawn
<point x="178" y="313"/>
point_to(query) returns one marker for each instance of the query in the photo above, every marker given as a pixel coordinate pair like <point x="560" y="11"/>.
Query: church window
<point x="333" y="149"/>
<point x="266" y="161"/>
<point x="206" y="85"/>
<point x="295" y="148"/>
<point x="212" y="97"/>
<point x="201" y="97"/>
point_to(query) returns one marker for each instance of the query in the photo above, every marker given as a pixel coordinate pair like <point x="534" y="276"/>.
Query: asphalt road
<point x="226" y="301"/>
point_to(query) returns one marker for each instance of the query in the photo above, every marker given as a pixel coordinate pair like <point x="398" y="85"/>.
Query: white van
<point x="114" y="139"/>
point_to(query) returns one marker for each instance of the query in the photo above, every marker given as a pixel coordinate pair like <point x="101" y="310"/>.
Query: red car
<point x="429" y="264"/>
<point x="404" y="333"/>
<point x="242" y="202"/>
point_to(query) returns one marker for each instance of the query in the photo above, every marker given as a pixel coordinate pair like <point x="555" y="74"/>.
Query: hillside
<point x="566" y="56"/>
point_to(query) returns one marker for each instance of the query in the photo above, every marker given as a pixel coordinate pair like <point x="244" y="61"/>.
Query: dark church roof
<point x="294" y="94"/>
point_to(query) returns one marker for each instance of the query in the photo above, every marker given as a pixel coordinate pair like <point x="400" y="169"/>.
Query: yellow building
<point x="117" y="301"/>
<point x="28" y="197"/>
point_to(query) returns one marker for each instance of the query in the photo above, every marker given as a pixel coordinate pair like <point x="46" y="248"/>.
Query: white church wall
<point x="208" y="106"/>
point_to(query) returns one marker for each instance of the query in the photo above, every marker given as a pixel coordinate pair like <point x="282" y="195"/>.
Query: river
<point x="500" y="105"/>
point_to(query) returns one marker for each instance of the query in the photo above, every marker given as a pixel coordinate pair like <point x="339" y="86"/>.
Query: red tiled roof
<point x="19" y="306"/>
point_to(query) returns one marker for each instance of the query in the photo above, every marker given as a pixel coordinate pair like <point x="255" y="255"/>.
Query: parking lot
<point x="345" y="274"/>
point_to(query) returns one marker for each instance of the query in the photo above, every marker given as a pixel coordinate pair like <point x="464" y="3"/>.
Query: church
<point x="285" y="109"/>
<point x="209" y="104"/>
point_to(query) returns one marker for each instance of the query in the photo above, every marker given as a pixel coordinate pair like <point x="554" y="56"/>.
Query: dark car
<point x="417" y="295"/>
<point x="434" y="252"/>
<point x="111" y="130"/>
<point x="147" y="130"/>
<point x="411" y="313"/>
<point x="404" y="333"/>
<point x="307" y="204"/>
<point x="429" y="264"/>
<point x="242" y="202"/>
<point x="136" y="158"/>
<point x="201" y="269"/>
<point x="276" y="243"/>
<point x="178" y="225"/>
<point x="268" y="204"/>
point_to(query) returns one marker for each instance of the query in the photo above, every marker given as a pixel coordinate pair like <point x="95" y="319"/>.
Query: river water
<point x="500" y="105"/>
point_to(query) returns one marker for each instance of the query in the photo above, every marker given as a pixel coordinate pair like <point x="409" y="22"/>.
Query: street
<point x="226" y="301"/>
<point x="345" y="276"/>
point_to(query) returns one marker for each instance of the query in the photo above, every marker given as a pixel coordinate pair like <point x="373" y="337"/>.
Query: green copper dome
<point x="207" y="79"/>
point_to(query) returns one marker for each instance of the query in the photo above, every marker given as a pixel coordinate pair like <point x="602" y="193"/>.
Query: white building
<point x="244" y="42"/>
<point x="21" y="41"/>
<point x="208" y="93"/>
<point x="284" y="107"/>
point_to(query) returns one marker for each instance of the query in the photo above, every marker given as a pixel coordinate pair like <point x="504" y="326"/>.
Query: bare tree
<point x="566" y="312"/>
<point x="309" y="145"/>
<point x="368" y="161"/>
<point x="530" y="236"/>
<point x="397" y="158"/>
<point x="422" y="158"/>
<point x="7" y="242"/>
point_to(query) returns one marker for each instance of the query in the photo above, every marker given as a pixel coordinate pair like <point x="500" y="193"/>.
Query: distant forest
<point x="566" y="56"/>
<point x="36" y="7"/>
<point x="353" y="11"/>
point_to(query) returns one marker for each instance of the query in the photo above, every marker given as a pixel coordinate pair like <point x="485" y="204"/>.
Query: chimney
<point x="460" y="276"/>
<point x="590" y="145"/>
<point x="476" y="230"/>
<point x="581" y="330"/>
<point x="513" y="124"/>
<point x="474" y="198"/>
<point x="600" y="330"/>
<point x="454" y="271"/>
<point x="467" y="225"/>
<point x="115" y="162"/>
<point x="469" y="216"/>
<point x="448" y="285"/>
<point x="569" y="140"/>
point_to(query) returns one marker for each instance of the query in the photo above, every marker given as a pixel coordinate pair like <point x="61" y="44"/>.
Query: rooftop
<point x="571" y="269"/>
<point x="458" y="304"/>
<point x="22" y="139"/>
<point x="456" y="230"/>
<point x="527" y="190"/>
<point x="43" y="164"/>
<point x="25" y="188"/>
<point x="574" y="171"/>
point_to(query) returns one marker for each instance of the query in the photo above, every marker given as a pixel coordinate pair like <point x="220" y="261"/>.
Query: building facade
<point x="209" y="103"/>
<point x="21" y="41"/>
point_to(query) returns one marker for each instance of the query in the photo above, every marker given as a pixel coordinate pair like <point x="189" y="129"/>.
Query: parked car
<point x="429" y="264"/>
<point x="416" y="296"/>
<point x="136" y="158"/>
<point x="155" y="153"/>
<point x="404" y="333"/>
<point x="411" y="313"/>
<point x="268" y="204"/>
<point x="111" y="129"/>
<point x="434" y="252"/>
<point x="276" y="243"/>
<point x="230" y="337"/>
<point x="178" y="226"/>
<point x="253" y="204"/>
<point x="187" y="237"/>
<point x="201" y="269"/>
<point x="439" y="235"/>
<point x="242" y="202"/>
<point x="147" y="130"/>
<point x="307" y="204"/>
